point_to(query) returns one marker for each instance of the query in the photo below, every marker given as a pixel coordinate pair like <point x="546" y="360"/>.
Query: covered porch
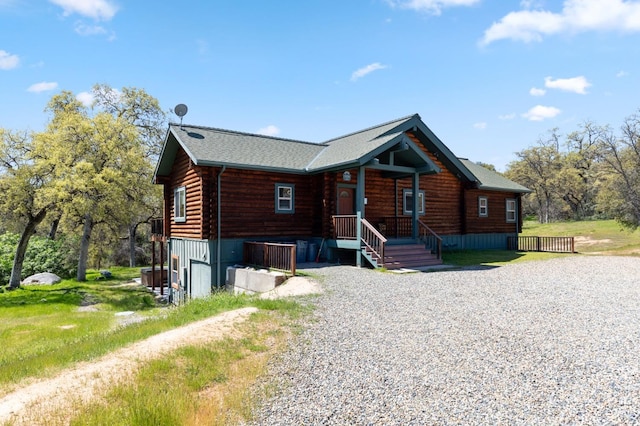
<point x="377" y="214"/>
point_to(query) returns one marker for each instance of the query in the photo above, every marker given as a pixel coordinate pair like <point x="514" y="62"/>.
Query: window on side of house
<point x="407" y="202"/>
<point x="511" y="210"/>
<point x="180" y="204"/>
<point x="285" y="198"/>
<point x="483" y="206"/>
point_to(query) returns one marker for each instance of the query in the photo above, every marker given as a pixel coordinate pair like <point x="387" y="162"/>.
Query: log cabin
<point x="392" y="195"/>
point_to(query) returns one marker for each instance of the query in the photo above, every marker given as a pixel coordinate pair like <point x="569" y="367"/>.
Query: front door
<point x="346" y="201"/>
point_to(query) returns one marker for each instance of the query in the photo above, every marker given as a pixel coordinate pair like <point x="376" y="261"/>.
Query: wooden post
<point x="153" y="264"/>
<point x="162" y="266"/>
<point x="293" y="260"/>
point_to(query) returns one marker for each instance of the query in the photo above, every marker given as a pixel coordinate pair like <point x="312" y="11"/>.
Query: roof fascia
<point x="241" y="166"/>
<point x="450" y="159"/>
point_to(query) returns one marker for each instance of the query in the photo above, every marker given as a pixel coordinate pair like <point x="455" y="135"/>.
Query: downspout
<point x="219" y="228"/>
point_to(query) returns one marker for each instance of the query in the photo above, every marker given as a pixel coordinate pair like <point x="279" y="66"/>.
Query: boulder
<point x="42" y="278"/>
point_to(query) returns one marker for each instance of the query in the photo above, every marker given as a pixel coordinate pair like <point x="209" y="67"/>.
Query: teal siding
<point x="496" y="241"/>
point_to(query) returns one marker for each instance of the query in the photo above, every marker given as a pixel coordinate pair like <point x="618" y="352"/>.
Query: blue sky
<point x="488" y="77"/>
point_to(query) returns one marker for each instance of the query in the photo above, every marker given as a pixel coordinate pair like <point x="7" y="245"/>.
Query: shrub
<point x="43" y="255"/>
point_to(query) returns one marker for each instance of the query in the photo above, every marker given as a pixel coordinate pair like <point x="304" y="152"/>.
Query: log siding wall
<point x="496" y="220"/>
<point x="183" y="174"/>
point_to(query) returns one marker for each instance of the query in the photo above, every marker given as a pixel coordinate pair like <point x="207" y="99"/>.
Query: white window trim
<point x="483" y="210"/>
<point x="407" y="210"/>
<point x="180" y="200"/>
<point x="513" y="210"/>
<point x="291" y="199"/>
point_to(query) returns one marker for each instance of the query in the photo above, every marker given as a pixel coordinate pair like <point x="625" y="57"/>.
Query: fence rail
<point x="344" y="227"/>
<point x="549" y="244"/>
<point x="270" y="255"/>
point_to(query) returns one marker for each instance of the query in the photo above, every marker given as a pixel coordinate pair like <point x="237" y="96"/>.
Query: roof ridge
<point x="235" y="132"/>
<point x="371" y="128"/>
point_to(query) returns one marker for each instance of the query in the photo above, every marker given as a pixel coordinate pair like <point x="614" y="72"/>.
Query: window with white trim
<point x="180" y="204"/>
<point x="407" y="202"/>
<point x="483" y="206"/>
<point x="285" y="198"/>
<point x="511" y="210"/>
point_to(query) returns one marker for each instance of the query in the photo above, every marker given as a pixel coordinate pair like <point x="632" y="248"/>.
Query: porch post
<point x="415" y="188"/>
<point x="359" y="213"/>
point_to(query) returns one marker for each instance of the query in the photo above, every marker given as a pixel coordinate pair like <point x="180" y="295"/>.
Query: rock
<point x="42" y="278"/>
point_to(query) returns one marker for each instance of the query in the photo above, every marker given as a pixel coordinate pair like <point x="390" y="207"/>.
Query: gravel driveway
<point x="550" y="342"/>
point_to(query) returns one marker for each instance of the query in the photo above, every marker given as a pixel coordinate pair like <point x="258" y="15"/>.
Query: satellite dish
<point x="181" y="111"/>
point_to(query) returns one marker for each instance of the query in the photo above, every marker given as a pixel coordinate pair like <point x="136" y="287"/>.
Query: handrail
<point x="428" y="238"/>
<point x="373" y="240"/>
<point x="344" y="227"/>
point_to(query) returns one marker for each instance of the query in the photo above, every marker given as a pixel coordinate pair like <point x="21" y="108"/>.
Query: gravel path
<point x="551" y="342"/>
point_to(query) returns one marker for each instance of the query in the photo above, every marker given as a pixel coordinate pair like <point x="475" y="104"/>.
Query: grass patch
<point x="42" y="330"/>
<point x="208" y="384"/>
<point x="596" y="236"/>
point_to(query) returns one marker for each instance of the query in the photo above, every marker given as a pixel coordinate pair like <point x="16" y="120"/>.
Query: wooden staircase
<point x="397" y="256"/>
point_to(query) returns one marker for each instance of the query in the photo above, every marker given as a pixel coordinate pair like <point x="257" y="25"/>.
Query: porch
<point x="391" y="243"/>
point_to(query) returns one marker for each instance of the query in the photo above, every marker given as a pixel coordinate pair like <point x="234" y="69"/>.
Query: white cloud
<point x="480" y="125"/>
<point x="42" y="87"/>
<point x="86" y="98"/>
<point x="622" y="73"/>
<point x="270" y="130"/>
<point x="510" y="116"/>
<point x="8" y="61"/>
<point x="541" y="112"/>
<point x="433" y="7"/>
<point x="575" y="84"/>
<point x="576" y="16"/>
<point x="367" y="70"/>
<point x="100" y="10"/>
<point x="88" y="30"/>
<point x="534" y="91"/>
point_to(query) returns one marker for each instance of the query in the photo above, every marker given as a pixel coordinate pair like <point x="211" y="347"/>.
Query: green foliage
<point x="594" y="177"/>
<point x="43" y="255"/>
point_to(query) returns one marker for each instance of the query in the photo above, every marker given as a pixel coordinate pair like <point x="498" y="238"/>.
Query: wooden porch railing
<point x="431" y="240"/>
<point x="398" y="226"/>
<point x="550" y="244"/>
<point x="373" y="241"/>
<point x="344" y="227"/>
<point x="270" y="255"/>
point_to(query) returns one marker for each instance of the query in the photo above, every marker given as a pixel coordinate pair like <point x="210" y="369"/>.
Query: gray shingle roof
<point x="207" y="146"/>
<point x="488" y="179"/>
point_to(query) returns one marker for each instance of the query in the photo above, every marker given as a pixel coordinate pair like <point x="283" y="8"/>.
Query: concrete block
<point x="249" y="280"/>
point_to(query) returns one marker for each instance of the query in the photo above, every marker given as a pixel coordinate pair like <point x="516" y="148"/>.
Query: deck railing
<point x="344" y="227"/>
<point x="398" y="226"/>
<point x="373" y="241"/>
<point x="549" y="244"/>
<point x="431" y="240"/>
<point x="157" y="227"/>
<point x="270" y="255"/>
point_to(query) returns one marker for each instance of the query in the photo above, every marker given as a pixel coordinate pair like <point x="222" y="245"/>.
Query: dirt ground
<point x="37" y="401"/>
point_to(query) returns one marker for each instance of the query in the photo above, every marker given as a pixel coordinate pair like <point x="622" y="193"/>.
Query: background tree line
<point x="592" y="172"/>
<point x="86" y="178"/>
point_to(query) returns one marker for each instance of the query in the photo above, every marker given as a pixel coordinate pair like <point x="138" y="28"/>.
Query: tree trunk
<point x="54" y="229"/>
<point x="132" y="245"/>
<point x="21" y="250"/>
<point x="84" y="248"/>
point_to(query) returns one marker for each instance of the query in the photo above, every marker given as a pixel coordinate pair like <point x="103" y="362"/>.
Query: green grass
<point x="595" y="236"/>
<point x="42" y="330"/>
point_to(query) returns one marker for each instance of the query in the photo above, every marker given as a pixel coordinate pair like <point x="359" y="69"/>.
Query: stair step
<point x="409" y="256"/>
